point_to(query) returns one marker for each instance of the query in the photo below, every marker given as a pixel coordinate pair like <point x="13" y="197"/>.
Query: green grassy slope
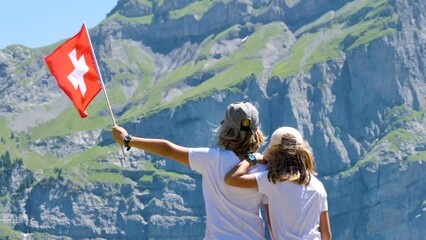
<point x="325" y="37"/>
<point x="7" y="233"/>
<point x="397" y="136"/>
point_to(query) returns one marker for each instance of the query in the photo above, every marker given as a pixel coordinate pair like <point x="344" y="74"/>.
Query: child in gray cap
<point x="232" y="213"/>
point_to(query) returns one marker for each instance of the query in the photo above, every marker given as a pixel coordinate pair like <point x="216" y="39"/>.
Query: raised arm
<point x="160" y="147"/>
<point x="238" y="176"/>
<point x="325" y="226"/>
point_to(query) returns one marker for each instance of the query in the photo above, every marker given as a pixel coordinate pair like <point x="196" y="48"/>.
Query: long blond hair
<point x="290" y="160"/>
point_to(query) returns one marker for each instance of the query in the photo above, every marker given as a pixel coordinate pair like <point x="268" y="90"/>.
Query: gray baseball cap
<point x="237" y="115"/>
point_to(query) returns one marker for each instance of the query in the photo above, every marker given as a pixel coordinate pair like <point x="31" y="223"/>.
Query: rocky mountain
<point x="350" y="75"/>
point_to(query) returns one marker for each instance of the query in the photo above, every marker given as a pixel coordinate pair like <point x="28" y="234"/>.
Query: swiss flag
<point x="74" y="67"/>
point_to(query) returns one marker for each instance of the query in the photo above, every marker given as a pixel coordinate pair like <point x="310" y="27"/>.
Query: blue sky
<point x="40" y="23"/>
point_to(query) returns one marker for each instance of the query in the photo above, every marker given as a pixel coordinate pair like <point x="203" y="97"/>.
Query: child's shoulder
<point x="259" y="168"/>
<point x="317" y="185"/>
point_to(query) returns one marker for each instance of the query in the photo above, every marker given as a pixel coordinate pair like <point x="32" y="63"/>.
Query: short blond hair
<point x="240" y="142"/>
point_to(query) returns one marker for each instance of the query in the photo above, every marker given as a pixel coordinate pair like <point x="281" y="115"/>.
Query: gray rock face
<point x="381" y="200"/>
<point x="165" y="33"/>
<point x="66" y="146"/>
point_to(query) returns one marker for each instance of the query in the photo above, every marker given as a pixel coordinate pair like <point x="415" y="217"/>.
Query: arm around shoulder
<point x="238" y="176"/>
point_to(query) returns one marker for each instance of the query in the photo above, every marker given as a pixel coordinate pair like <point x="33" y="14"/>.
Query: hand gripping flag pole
<point x="103" y="85"/>
<point x="76" y="70"/>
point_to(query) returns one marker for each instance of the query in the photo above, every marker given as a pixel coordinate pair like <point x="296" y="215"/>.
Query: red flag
<point x="74" y="67"/>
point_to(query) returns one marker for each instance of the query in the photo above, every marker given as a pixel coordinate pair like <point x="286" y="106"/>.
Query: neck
<point x="241" y="156"/>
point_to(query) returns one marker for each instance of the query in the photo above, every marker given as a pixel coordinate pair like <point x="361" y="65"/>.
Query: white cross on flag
<point x="74" y="67"/>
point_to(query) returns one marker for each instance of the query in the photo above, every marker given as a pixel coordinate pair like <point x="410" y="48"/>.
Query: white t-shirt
<point x="232" y="213"/>
<point x="294" y="209"/>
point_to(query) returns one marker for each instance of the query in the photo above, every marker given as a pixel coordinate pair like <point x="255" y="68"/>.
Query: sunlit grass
<point x="132" y="20"/>
<point x="7" y="232"/>
<point x="322" y="40"/>
<point x="197" y="9"/>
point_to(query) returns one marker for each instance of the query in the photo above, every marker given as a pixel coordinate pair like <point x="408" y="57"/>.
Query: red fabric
<point x="61" y="66"/>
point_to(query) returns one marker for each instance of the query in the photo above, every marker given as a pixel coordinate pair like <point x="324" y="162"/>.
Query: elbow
<point x="326" y="235"/>
<point x="167" y="149"/>
<point x="230" y="181"/>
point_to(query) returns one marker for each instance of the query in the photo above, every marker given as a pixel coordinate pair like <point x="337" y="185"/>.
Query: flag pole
<point x="102" y="83"/>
